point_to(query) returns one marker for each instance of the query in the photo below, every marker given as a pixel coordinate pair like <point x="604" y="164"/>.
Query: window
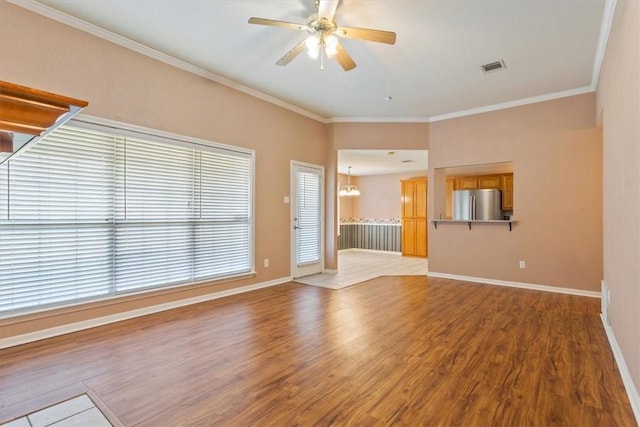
<point x="309" y="217"/>
<point x="88" y="214"/>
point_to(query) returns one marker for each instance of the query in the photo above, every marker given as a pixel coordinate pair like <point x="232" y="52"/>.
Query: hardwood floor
<point x="394" y="350"/>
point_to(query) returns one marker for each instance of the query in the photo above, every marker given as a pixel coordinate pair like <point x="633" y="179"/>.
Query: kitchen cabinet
<point x="408" y="236"/>
<point x="490" y="182"/>
<point x="507" y="192"/>
<point x="414" y="217"/>
<point x="466" y="183"/>
<point x="502" y="182"/>
<point x="448" y="206"/>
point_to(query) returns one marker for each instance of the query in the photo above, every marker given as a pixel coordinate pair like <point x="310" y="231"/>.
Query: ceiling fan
<point x="322" y="40"/>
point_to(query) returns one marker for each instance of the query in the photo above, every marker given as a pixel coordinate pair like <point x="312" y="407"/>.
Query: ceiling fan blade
<point x="326" y="9"/>
<point x="379" y="36"/>
<point x="288" y="57"/>
<point x="273" y="23"/>
<point x="343" y="57"/>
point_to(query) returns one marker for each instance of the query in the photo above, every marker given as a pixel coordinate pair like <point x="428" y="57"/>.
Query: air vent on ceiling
<point x="493" y="66"/>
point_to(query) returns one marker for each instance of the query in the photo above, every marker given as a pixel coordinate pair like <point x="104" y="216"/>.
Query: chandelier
<point x="349" y="190"/>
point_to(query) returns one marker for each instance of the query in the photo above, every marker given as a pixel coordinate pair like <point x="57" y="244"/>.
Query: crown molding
<point x="378" y="120"/>
<point x="469" y="112"/>
<point x="516" y="103"/>
<point x="79" y="24"/>
<point x="605" y="29"/>
<point x="56" y="15"/>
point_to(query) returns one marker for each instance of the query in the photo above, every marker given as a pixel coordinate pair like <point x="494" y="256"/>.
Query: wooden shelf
<point x="27" y="114"/>
<point x="509" y="222"/>
<point x="31" y="111"/>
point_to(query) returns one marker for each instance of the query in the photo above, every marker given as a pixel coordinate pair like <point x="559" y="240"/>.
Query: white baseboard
<point x="329" y="271"/>
<point x="105" y="320"/>
<point x="534" y="287"/>
<point x="632" y="391"/>
<point x="605" y="298"/>
<point x="370" y="251"/>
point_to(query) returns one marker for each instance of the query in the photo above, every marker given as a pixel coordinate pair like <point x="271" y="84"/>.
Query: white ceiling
<point x="381" y="162"/>
<point x="549" y="46"/>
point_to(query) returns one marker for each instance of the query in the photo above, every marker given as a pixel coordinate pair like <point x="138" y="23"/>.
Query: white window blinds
<point x="88" y="214"/>
<point x="309" y="217"/>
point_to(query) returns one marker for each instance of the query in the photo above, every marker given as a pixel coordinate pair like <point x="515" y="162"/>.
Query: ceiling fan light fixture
<point x="313" y="46"/>
<point x="322" y="42"/>
<point x="331" y="45"/>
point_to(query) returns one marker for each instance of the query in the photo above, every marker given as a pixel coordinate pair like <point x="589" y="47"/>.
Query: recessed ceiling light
<point x="388" y="98"/>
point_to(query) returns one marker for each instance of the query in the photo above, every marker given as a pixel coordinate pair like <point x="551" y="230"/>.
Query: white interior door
<point x="306" y="219"/>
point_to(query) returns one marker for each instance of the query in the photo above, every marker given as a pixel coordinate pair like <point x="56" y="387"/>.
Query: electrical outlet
<point x="521" y="264"/>
<point x="266" y="263"/>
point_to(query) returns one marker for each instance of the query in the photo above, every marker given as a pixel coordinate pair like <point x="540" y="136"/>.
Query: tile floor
<point x="77" y="412"/>
<point x="355" y="266"/>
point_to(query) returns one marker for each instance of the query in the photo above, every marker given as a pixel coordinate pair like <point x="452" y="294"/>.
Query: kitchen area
<point x="475" y="195"/>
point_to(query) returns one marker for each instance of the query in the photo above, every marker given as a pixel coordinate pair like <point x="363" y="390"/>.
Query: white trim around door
<point x="307" y="219"/>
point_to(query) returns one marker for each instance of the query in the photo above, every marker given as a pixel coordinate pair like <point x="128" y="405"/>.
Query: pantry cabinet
<point x="414" y="217"/>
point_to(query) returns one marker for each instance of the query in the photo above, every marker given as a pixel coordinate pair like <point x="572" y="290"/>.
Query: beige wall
<point x="552" y="142"/>
<point x="619" y="106"/>
<point x="364" y="136"/>
<point x="380" y="136"/>
<point x="381" y="195"/>
<point x="557" y="194"/>
<point x="123" y="85"/>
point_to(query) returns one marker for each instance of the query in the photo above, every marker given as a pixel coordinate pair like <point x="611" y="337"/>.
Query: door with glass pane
<point x="306" y="219"/>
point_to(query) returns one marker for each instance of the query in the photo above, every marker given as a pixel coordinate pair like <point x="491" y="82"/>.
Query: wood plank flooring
<point x="390" y="351"/>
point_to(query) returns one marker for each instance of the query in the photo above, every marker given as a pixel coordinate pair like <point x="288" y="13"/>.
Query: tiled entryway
<point x="77" y="412"/>
<point x="355" y="266"/>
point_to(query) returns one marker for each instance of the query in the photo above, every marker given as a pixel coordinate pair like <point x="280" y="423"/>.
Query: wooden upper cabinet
<point x="407" y="199"/>
<point x="414" y="198"/>
<point x="466" y="183"/>
<point x="502" y="182"/>
<point x="507" y="192"/>
<point x="448" y="207"/>
<point x="490" y="182"/>
<point x="420" y="201"/>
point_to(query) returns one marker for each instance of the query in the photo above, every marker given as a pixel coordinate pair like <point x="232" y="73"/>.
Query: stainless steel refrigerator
<point x="477" y="205"/>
